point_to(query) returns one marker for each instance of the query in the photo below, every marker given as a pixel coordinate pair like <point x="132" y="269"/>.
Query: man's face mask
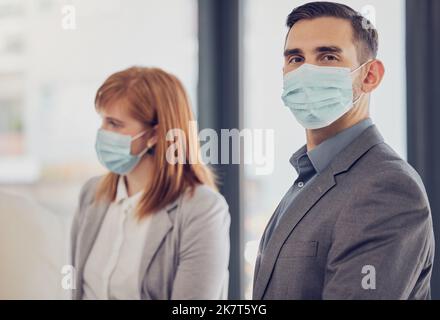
<point x="318" y="96"/>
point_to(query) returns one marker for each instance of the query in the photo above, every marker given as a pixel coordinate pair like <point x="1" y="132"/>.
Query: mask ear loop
<point x="359" y="98"/>
<point x="140" y="155"/>
<point x="358" y="68"/>
<point x="144" y="152"/>
<point x="362" y="65"/>
<point x="138" y="136"/>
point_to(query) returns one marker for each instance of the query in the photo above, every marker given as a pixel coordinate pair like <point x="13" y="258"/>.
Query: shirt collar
<point x="324" y="153"/>
<point x="122" y="193"/>
<point x="296" y="156"/>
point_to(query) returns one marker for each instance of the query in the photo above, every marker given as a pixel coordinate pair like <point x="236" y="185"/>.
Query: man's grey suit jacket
<point x="362" y="229"/>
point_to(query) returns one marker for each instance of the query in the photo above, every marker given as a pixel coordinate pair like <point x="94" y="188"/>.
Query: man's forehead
<point x="326" y="31"/>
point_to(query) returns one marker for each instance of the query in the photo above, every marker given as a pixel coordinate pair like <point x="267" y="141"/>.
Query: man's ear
<point x="374" y="76"/>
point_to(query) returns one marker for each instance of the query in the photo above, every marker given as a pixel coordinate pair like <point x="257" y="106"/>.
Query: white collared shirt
<point x="112" y="269"/>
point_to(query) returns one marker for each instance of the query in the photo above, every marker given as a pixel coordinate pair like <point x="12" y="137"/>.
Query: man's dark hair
<point x="365" y="35"/>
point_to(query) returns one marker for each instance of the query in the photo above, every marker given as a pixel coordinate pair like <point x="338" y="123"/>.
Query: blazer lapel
<point x="161" y="224"/>
<point x="94" y="216"/>
<point x="304" y="201"/>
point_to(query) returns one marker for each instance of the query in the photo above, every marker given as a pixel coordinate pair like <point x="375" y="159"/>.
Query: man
<point x="356" y="224"/>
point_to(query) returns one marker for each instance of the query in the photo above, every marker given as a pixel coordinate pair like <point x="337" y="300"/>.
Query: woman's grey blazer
<point x="186" y="253"/>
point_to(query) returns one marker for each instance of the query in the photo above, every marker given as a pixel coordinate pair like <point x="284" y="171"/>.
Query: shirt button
<point x="300" y="184"/>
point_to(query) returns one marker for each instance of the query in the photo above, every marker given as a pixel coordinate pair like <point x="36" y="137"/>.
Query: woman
<point x="151" y="228"/>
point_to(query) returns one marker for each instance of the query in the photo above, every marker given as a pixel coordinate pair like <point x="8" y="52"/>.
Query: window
<point x="53" y="57"/>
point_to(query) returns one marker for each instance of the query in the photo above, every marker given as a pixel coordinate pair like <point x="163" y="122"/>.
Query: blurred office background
<point x="54" y="54"/>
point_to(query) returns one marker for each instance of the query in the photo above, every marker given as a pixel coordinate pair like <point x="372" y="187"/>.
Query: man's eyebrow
<point x="291" y="52"/>
<point x="333" y="49"/>
<point x="297" y="51"/>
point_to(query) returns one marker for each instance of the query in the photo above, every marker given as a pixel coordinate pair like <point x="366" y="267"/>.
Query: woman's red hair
<point x="155" y="97"/>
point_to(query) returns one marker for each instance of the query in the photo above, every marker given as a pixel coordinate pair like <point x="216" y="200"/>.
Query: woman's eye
<point x="113" y="124"/>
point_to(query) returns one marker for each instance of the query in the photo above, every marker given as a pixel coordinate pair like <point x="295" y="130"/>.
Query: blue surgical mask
<point x="114" y="151"/>
<point x="318" y="96"/>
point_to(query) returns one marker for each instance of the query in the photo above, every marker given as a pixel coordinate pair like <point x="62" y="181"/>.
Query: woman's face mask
<point x="318" y="96"/>
<point x="114" y="151"/>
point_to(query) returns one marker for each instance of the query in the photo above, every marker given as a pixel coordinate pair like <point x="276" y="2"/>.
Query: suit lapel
<point x="302" y="204"/>
<point x="263" y="241"/>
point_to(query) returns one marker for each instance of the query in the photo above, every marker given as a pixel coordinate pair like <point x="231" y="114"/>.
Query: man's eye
<point x="295" y="60"/>
<point x="330" y="58"/>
